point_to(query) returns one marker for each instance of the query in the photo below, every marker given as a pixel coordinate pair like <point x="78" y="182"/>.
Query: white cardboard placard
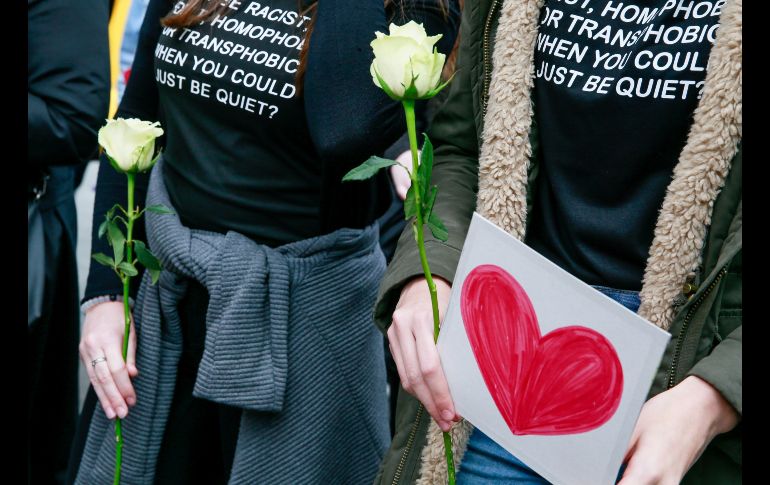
<point x="559" y="299"/>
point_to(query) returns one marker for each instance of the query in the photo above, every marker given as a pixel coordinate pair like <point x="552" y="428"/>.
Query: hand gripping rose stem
<point x="418" y="225"/>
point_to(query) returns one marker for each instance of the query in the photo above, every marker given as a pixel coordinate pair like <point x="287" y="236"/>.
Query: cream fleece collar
<point x="685" y="214"/>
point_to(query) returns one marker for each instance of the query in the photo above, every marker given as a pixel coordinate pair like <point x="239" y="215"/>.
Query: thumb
<point x="627" y="469"/>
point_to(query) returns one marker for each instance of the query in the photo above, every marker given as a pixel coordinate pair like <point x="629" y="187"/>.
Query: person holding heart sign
<point x="635" y="192"/>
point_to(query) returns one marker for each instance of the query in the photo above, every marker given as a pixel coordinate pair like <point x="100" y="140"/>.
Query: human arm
<point x="140" y="100"/>
<point x="399" y="175"/>
<point x="103" y="328"/>
<point x="68" y="79"/>
<point x="674" y="429"/>
<point x="454" y="137"/>
<point x="676" y="426"/>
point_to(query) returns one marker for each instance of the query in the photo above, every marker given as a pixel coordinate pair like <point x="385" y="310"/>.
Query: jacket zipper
<point x="686" y="323"/>
<point x="409" y="443"/>
<point x="487" y="61"/>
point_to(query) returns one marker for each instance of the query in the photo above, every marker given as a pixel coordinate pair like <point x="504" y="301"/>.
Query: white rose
<point x="130" y="144"/>
<point x="407" y="59"/>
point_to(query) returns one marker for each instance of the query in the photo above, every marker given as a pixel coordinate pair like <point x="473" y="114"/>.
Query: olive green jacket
<point x="486" y="157"/>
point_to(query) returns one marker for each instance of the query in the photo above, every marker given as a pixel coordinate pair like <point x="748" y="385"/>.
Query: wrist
<point x="421" y="281"/>
<point x="722" y="417"/>
<point x="93" y="302"/>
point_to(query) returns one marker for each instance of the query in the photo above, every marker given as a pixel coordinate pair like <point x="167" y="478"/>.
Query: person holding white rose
<point x="257" y="135"/>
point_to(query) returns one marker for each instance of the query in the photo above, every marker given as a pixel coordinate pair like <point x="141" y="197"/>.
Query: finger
<point x="104" y="378"/>
<point x="401" y="190"/>
<point x="89" y="350"/>
<point x="131" y="354"/>
<point x="414" y="374"/>
<point x="395" y="352"/>
<point x="433" y="373"/>
<point x="631" y="448"/>
<point x="106" y="406"/>
<point x="633" y="441"/>
<point x="628" y="477"/>
<point x="643" y="468"/>
<point x="401" y="181"/>
<point x="120" y="376"/>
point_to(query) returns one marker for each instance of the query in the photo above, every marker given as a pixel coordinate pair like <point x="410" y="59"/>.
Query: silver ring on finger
<point x="97" y="360"/>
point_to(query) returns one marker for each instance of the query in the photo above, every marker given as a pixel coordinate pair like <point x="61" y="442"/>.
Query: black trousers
<point x="52" y="352"/>
<point x="200" y="436"/>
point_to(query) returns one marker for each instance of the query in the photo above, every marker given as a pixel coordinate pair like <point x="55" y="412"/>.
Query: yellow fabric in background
<point x="117" y="25"/>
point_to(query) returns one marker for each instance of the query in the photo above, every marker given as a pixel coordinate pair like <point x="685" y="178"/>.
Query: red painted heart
<point x="568" y="381"/>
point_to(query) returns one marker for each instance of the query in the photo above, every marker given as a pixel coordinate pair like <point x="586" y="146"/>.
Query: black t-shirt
<point x="239" y="154"/>
<point x="222" y="157"/>
<point x="616" y="84"/>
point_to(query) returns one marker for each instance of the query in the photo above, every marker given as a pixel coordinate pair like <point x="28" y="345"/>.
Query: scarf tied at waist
<point x="257" y="296"/>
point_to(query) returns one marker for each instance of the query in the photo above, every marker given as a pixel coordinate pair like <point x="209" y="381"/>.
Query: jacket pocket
<point x="730" y="314"/>
<point x="727" y="321"/>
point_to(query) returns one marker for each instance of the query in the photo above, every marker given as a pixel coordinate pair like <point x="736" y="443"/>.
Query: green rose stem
<point x="127" y="314"/>
<point x="419" y="233"/>
<point x="129" y="145"/>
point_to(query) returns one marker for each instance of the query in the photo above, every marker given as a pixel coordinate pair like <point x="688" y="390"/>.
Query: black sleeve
<point x="140" y="100"/>
<point x="349" y="117"/>
<point x="68" y="79"/>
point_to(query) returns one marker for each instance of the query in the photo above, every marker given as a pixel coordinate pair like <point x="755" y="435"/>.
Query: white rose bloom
<point x="405" y="54"/>
<point x="130" y="143"/>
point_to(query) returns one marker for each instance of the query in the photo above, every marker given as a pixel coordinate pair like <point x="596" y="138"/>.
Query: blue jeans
<point x="485" y="462"/>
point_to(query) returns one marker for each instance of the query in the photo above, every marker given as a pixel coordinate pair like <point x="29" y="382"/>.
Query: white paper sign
<point x="547" y="366"/>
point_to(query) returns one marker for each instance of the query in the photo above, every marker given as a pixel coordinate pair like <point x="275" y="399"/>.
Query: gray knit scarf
<point x="289" y="338"/>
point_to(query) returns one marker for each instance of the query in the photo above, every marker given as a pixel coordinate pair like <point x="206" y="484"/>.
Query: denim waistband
<point x="628" y="298"/>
